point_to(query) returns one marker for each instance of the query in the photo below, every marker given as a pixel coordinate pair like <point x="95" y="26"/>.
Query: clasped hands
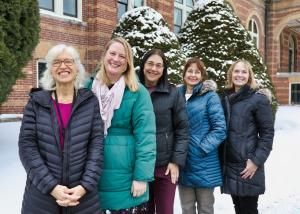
<point x="67" y="197"/>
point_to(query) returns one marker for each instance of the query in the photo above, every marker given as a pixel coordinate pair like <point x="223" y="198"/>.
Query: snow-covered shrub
<point x="215" y="34"/>
<point x="145" y="29"/>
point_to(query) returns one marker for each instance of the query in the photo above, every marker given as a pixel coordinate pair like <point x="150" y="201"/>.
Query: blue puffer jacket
<point x="207" y="130"/>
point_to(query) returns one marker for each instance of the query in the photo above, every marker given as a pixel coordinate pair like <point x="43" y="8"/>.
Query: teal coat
<point x="129" y="151"/>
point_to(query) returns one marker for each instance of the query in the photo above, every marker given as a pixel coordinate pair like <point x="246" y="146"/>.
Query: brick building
<point x="274" y="26"/>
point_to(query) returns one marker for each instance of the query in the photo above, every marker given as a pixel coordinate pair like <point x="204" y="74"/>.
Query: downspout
<point x="267" y="9"/>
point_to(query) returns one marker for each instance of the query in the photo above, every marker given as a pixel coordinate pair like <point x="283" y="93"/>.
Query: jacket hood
<point x="267" y="92"/>
<point x="208" y="85"/>
<point x="246" y="91"/>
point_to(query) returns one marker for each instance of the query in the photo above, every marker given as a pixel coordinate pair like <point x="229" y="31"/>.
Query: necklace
<point x="59" y="112"/>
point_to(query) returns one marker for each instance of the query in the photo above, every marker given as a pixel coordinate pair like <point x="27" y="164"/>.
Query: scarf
<point x="109" y="99"/>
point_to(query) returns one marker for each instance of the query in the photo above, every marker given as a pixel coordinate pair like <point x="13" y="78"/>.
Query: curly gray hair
<point x="47" y="81"/>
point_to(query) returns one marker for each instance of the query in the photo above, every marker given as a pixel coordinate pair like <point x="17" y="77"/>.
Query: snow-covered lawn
<point x="282" y="170"/>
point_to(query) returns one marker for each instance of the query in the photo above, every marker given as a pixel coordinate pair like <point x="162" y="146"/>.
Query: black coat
<point x="250" y="136"/>
<point x="171" y="123"/>
<point x="47" y="165"/>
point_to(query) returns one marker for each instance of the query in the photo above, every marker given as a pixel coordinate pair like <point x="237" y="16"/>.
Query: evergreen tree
<point x="145" y="29"/>
<point x="215" y="34"/>
<point x="19" y="33"/>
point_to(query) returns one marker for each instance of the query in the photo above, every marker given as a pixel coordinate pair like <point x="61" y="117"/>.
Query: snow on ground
<point x="282" y="170"/>
<point x="8" y="116"/>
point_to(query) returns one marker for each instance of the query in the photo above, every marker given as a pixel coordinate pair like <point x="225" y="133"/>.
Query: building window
<point x="122" y="8"/>
<point x="126" y="5"/>
<point x="70" y="9"/>
<point x="291" y="54"/>
<point x="295" y="93"/>
<point x="138" y="3"/>
<point x="46" y="4"/>
<point x="41" y="67"/>
<point x="253" y="31"/>
<point x="177" y="20"/>
<point x="182" y="8"/>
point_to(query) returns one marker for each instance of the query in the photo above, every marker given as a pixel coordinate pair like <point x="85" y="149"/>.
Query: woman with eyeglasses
<point x="207" y="130"/>
<point x="60" y="142"/>
<point x="171" y="131"/>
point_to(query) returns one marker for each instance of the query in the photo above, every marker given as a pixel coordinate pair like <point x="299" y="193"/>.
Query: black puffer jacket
<point x="46" y="165"/>
<point x="171" y="123"/>
<point x="250" y="136"/>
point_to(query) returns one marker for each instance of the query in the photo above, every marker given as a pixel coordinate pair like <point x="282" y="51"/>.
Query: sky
<point x="282" y="170"/>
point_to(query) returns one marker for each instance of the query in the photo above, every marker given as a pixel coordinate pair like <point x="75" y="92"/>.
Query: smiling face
<point x="192" y="75"/>
<point x="153" y="70"/>
<point x="115" y="61"/>
<point x="63" y="69"/>
<point x="240" y="75"/>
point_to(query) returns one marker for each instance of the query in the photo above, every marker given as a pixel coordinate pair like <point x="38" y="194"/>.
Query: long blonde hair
<point x="251" y="80"/>
<point x="129" y="74"/>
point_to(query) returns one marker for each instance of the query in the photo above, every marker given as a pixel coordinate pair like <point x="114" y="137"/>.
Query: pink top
<point x="65" y="110"/>
<point x="151" y="89"/>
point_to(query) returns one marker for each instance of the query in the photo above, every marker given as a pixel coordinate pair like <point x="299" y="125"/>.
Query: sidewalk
<point x="10" y="117"/>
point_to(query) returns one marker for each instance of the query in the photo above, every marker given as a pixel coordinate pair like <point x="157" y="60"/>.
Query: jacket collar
<point x="244" y="93"/>
<point x="43" y="97"/>
<point x="196" y="89"/>
<point x="162" y="86"/>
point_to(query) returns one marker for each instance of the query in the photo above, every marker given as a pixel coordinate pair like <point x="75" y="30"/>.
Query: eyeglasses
<point x="191" y="71"/>
<point x="157" y="65"/>
<point x="67" y="62"/>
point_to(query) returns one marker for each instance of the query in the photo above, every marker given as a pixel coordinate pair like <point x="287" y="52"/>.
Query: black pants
<point x="245" y="205"/>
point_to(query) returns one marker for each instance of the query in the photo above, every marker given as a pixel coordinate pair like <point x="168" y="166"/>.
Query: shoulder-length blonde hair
<point x="47" y="81"/>
<point x="129" y="74"/>
<point x="251" y="80"/>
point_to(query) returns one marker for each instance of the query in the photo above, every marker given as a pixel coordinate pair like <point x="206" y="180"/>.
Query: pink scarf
<point x="109" y="99"/>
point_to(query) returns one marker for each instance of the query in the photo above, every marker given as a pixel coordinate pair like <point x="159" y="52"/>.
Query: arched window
<point x="291" y="54"/>
<point x="253" y="30"/>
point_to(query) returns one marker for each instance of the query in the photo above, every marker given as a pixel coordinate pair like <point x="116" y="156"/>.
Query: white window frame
<point x="253" y="35"/>
<point x="37" y="70"/>
<point x="185" y="10"/>
<point x="291" y="48"/>
<point x="59" y="11"/>
<point x="130" y="4"/>
<point x="290" y="92"/>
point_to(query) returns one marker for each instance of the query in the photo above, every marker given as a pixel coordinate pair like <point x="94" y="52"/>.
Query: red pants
<point x="162" y="193"/>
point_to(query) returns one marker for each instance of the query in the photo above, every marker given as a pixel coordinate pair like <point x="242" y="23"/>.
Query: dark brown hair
<point x="200" y="66"/>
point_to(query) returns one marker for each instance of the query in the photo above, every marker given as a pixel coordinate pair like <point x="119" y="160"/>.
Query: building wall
<point x="281" y="12"/>
<point x="165" y="8"/>
<point x="99" y="18"/>
<point x="284" y="49"/>
<point x="90" y="35"/>
<point x="247" y="9"/>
